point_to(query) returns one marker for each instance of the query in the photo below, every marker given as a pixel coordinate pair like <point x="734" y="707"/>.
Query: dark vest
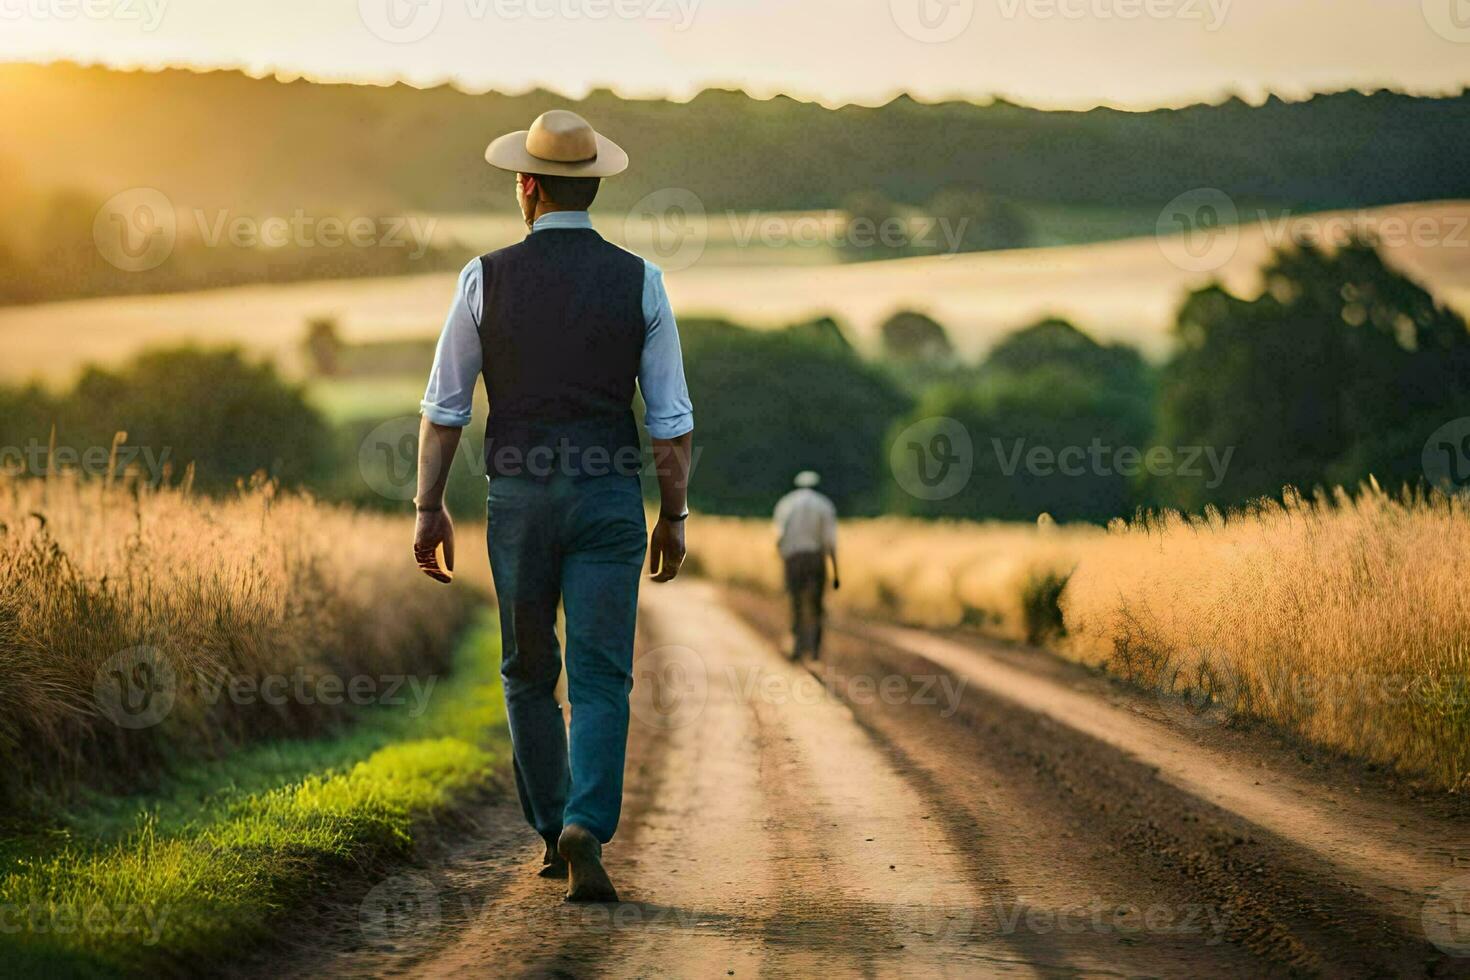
<point x="562" y="332"/>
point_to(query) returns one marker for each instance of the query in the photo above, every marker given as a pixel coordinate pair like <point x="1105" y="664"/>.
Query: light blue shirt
<point x="459" y="361"/>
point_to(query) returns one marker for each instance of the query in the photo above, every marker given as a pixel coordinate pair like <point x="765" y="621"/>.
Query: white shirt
<point x="806" y="521"/>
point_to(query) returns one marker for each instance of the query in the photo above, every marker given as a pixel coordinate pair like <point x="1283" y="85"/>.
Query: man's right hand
<point x="666" y="550"/>
<point x="432" y="529"/>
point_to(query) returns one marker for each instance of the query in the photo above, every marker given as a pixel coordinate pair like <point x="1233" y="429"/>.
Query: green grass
<point x="378" y="397"/>
<point x="211" y="861"/>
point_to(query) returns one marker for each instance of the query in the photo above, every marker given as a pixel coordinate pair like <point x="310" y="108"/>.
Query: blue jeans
<point x="580" y="542"/>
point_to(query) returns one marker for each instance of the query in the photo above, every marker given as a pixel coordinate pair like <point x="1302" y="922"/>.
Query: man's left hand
<point x="666" y="550"/>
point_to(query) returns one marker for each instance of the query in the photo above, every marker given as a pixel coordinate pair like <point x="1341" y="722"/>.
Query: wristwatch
<point x="669" y="517"/>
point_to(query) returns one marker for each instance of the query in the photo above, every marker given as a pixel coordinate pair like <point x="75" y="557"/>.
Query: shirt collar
<point x="562" y="219"/>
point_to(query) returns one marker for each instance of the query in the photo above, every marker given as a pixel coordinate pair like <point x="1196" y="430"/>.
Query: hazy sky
<point x="1045" y="52"/>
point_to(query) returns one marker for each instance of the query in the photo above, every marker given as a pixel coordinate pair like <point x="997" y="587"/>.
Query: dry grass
<point x="1345" y="621"/>
<point x="234" y="590"/>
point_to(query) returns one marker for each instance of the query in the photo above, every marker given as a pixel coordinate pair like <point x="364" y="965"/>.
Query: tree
<point x="323" y="345"/>
<point x="973" y="221"/>
<point x="911" y="336"/>
<point x="226" y="415"/>
<point x="1340" y="369"/>
<point x="771" y="403"/>
<point x="1050" y="422"/>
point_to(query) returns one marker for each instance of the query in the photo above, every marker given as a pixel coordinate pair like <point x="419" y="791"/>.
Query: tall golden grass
<point x="231" y="590"/>
<point x="1343" y="619"/>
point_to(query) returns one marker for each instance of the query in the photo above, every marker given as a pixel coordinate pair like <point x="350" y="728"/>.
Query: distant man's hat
<point x="559" y="144"/>
<point x="807" y="479"/>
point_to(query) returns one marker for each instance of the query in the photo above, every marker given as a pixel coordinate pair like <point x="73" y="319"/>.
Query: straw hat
<point x="559" y="144"/>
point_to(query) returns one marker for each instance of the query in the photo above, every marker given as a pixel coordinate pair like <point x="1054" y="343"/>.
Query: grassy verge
<point x="212" y="858"/>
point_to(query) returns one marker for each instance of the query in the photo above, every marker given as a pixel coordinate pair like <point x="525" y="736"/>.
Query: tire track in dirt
<point x="1125" y="825"/>
<point x="780" y="826"/>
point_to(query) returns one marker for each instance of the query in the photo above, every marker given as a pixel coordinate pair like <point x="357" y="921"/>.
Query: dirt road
<point x="926" y="806"/>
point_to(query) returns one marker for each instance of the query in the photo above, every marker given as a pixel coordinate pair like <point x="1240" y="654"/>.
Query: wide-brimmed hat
<point x="559" y="143"/>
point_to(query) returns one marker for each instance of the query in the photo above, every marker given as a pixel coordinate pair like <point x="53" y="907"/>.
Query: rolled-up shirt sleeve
<point x="458" y="359"/>
<point x="669" y="413"/>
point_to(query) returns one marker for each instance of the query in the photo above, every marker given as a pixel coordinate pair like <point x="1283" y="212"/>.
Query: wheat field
<point x="1343" y="619"/>
<point x="199" y="600"/>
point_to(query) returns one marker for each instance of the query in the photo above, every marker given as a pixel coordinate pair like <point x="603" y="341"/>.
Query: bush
<point x="1041" y="606"/>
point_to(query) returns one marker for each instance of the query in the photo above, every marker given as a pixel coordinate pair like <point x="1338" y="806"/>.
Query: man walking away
<point x="806" y="522"/>
<point x="562" y="326"/>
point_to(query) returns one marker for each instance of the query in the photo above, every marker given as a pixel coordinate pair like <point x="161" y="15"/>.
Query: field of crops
<point x="1341" y="620"/>
<point x="1124" y="291"/>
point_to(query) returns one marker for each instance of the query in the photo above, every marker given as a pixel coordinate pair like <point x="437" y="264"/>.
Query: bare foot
<point x="589" y="882"/>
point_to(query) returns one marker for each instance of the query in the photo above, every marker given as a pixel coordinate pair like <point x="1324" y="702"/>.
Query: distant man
<point x="806" y="525"/>
<point x="562" y="326"/>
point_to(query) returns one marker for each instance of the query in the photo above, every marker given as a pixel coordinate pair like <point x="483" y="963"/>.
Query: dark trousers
<point x="806" y="582"/>
<point x="580" y="543"/>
